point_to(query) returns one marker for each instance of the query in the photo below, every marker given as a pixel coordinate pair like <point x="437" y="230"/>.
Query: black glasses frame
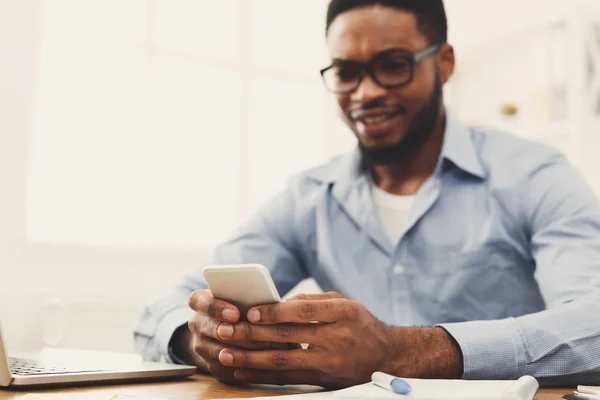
<point x="368" y="69"/>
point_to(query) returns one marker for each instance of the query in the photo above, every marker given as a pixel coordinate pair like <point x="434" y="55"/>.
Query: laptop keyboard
<point x="24" y="367"/>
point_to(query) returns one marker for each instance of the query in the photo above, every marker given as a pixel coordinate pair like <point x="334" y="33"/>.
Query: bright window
<point x="163" y="123"/>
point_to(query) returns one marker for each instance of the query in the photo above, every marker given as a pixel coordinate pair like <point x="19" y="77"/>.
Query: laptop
<point x="64" y="367"/>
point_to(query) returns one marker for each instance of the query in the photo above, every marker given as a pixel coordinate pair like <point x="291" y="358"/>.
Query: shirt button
<point x="399" y="269"/>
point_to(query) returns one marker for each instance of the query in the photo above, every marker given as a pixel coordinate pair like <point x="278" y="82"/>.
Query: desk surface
<point x="204" y="387"/>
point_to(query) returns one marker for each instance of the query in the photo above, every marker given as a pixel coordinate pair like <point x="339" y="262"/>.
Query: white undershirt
<point x="393" y="211"/>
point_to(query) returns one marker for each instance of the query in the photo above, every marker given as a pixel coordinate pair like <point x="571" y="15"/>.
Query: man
<point x="456" y="252"/>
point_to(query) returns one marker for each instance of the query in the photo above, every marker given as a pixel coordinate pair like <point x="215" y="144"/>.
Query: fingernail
<point x="226" y="357"/>
<point x="225" y="331"/>
<point x="229" y="314"/>
<point x="239" y="375"/>
<point x="253" y="315"/>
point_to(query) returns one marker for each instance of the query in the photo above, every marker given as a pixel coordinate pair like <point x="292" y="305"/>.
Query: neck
<point x="406" y="176"/>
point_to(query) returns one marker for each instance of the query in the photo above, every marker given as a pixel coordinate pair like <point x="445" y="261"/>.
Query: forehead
<point x="361" y="33"/>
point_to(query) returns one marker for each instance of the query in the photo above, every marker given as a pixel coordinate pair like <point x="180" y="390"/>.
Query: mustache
<point x="378" y="105"/>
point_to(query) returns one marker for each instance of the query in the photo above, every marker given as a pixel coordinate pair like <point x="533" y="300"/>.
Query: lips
<point x="376" y="124"/>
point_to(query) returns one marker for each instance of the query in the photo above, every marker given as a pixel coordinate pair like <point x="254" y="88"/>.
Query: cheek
<point x="343" y="102"/>
<point x="419" y="92"/>
<point x="410" y="96"/>
<point x="343" y="107"/>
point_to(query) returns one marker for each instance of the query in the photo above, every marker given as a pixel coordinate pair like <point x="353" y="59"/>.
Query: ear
<point x="447" y="62"/>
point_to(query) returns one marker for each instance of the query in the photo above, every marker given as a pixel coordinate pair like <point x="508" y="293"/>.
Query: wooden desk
<point x="202" y="387"/>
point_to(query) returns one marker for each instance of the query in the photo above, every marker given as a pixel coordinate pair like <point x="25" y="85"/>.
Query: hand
<point x="347" y="344"/>
<point x="203" y="344"/>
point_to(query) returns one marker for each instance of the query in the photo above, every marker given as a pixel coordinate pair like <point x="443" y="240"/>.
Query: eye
<point x="346" y="73"/>
<point x="395" y="67"/>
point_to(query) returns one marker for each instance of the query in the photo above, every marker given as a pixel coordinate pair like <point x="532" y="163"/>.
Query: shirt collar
<point x="458" y="148"/>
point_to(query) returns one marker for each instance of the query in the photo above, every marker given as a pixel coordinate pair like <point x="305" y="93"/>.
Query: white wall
<point x="17" y="20"/>
<point x="475" y="22"/>
<point x="95" y="285"/>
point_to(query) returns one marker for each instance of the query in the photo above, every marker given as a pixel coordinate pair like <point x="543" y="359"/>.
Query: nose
<point x="368" y="90"/>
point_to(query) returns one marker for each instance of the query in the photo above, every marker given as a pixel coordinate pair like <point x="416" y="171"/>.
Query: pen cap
<point x="400" y="386"/>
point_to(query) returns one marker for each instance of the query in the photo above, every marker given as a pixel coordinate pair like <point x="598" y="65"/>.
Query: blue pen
<point x="390" y="382"/>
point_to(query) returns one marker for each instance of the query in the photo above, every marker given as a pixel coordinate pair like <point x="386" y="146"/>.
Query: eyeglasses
<point x="390" y="69"/>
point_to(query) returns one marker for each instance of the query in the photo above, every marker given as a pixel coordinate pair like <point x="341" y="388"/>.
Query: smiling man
<point x="449" y="251"/>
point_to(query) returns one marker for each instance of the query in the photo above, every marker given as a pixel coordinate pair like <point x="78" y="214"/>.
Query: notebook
<point x="524" y="388"/>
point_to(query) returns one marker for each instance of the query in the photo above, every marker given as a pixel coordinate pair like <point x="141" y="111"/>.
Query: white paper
<point x="589" y="390"/>
<point x="433" y="389"/>
<point x="584" y="396"/>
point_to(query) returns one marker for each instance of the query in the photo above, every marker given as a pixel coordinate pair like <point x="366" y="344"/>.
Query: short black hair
<point x="431" y="14"/>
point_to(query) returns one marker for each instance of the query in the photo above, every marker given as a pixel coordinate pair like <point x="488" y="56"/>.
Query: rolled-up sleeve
<point x="560" y="345"/>
<point x="268" y="238"/>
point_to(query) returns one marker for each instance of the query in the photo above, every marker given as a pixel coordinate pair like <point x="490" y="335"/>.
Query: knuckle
<point x="333" y="295"/>
<point x="192" y="300"/>
<point x="209" y="328"/>
<point x="280" y="360"/>
<point x="287" y="330"/>
<point x="211" y="309"/>
<point x="271" y="313"/>
<point x="351" y="310"/>
<point x="343" y="338"/>
<point x="302" y="363"/>
<point x="195" y="299"/>
<point x="314" y="330"/>
<point x="245" y="359"/>
<point x="199" y="347"/>
<point x="305" y="310"/>
<point x="194" y="325"/>
<point x="247" y="330"/>
<point x="213" y="351"/>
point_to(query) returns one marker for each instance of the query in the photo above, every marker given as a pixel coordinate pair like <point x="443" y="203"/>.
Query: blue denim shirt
<point x="501" y="248"/>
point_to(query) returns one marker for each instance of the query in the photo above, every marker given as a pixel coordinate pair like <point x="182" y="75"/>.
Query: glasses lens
<point x="342" y="78"/>
<point x="393" y="71"/>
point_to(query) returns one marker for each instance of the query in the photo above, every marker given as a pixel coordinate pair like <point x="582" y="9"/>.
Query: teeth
<point x="374" y="119"/>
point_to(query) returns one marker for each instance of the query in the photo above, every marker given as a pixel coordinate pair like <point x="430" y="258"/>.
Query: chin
<point x="383" y="142"/>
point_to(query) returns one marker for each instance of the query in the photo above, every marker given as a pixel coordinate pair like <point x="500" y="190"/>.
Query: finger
<point x="281" y="333"/>
<point x="278" y="377"/>
<point x="196" y="359"/>
<point x="321" y="296"/>
<point x="305" y="311"/>
<point x="209" y="349"/>
<point x="203" y="301"/>
<point x="204" y="327"/>
<point x="223" y="374"/>
<point x="202" y="324"/>
<point x="271" y="360"/>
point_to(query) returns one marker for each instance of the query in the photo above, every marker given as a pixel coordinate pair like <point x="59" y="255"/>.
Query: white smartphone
<point x="244" y="285"/>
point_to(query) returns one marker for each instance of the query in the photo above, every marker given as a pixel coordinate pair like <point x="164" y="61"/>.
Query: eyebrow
<point x="393" y="50"/>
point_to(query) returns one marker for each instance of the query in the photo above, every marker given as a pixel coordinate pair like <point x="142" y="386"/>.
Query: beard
<point x="418" y="133"/>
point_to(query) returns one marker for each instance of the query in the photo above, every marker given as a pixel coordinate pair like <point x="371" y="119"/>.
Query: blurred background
<point x="137" y="134"/>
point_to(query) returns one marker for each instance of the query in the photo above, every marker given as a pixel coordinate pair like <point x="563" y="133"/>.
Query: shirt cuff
<point x="167" y="327"/>
<point x="492" y="350"/>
